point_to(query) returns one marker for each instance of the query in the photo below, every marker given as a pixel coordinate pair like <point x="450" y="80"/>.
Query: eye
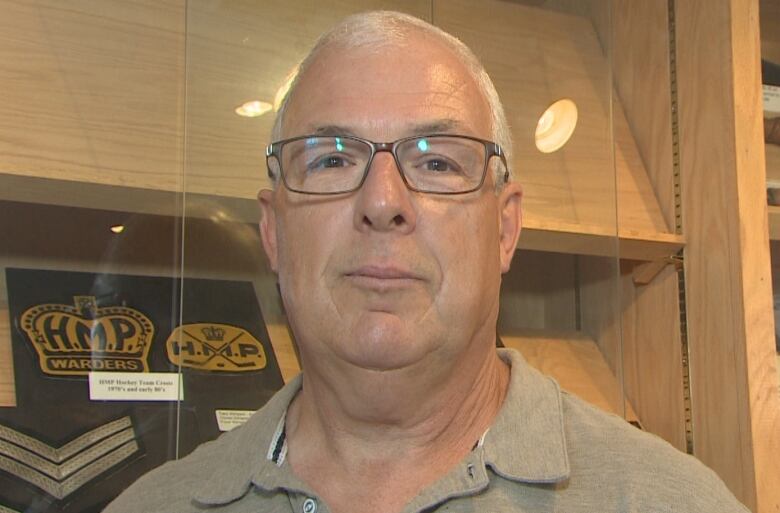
<point x="329" y="162"/>
<point x="333" y="161"/>
<point x="438" y="165"/>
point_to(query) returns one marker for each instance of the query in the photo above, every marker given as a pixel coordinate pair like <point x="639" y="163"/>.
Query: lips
<point x="384" y="273"/>
<point x="382" y="277"/>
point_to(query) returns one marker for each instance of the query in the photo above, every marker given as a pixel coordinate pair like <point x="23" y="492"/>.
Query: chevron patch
<point x="60" y="471"/>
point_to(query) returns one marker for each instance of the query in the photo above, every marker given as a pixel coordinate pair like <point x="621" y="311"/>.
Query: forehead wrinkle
<point x="455" y="79"/>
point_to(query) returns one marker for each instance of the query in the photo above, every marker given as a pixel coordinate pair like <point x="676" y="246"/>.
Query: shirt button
<point x="309" y="506"/>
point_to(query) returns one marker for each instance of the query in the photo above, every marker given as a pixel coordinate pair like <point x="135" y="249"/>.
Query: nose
<point x="384" y="203"/>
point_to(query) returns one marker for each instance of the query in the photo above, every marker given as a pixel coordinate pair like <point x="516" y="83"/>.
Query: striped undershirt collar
<point x="277" y="450"/>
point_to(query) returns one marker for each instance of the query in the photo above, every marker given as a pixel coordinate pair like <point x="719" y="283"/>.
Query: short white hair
<point x="375" y="29"/>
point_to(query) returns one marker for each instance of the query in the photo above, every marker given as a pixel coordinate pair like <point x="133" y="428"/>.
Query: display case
<point x="130" y="160"/>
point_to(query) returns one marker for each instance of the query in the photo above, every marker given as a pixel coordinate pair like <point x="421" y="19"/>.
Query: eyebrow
<point x="333" y="130"/>
<point x="438" y="126"/>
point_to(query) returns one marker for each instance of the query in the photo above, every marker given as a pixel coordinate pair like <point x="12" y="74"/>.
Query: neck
<point x="412" y="416"/>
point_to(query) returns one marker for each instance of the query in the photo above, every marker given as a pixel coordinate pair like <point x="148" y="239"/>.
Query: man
<point x="389" y="259"/>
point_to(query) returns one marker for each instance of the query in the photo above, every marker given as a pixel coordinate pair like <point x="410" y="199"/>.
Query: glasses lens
<point x="445" y="164"/>
<point x="324" y="164"/>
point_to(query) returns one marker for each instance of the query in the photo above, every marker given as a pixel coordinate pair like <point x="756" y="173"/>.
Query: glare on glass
<point x="438" y="164"/>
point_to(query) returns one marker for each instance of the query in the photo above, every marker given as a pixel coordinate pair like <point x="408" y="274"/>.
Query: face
<point x="385" y="278"/>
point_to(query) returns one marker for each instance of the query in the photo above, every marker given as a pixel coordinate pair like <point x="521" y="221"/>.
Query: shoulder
<point x="169" y="487"/>
<point x="222" y="468"/>
<point x="640" y="469"/>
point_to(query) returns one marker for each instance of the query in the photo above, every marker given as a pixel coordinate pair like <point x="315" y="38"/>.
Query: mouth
<point x="382" y="277"/>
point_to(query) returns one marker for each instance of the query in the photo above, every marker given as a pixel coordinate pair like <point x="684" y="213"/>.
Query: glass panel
<point x="131" y="208"/>
<point x="770" y="66"/>
<point x="566" y="279"/>
<point x="551" y="64"/>
<point x="240" y="57"/>
<point x="90" y="195"/>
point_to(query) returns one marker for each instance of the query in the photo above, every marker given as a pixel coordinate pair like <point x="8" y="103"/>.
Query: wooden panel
<point x="600" y="307"/>
<point x="93" y="91"/>
<point x="596" y="11"/>
<point x="652" y="354"/>
<point x="637" y="332"/>
<point x="576" y="363"/>
<point x="736" y="408"/>
<point x="535" y="57"/>
<point x="640" y="64"/>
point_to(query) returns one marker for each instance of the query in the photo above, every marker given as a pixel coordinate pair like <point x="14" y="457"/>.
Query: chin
<point x="385" y="346"/>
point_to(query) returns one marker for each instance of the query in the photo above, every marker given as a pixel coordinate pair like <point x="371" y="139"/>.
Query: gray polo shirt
<point x="546" y="451"/>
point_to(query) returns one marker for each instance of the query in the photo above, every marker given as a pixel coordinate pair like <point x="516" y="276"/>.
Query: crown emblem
<point x="215" y="347"/>
<point x="213" y="333"/>
<point x="78" y="339"/>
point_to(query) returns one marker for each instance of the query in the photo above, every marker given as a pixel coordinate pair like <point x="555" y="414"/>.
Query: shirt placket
<point x="469" y="478"/>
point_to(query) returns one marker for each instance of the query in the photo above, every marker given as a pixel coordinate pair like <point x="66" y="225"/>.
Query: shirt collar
<point x="248" y="456"/>
<point x="526" y="442"/>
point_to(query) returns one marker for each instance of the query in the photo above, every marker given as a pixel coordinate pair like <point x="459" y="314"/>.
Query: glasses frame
<point x="492" y="149"/>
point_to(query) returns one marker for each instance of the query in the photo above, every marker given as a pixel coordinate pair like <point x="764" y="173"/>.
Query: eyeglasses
<point x="437" y="164"/>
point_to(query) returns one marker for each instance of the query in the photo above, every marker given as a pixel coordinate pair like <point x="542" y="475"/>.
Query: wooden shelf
<point x="136" y="200"/>
<point x="537" y="234"/>
<point x="596" y="240"/>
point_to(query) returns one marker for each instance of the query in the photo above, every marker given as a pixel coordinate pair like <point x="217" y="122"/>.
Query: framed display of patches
<point x="94" y="356"/>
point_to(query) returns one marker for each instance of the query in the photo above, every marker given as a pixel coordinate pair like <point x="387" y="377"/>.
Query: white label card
<point x="229" y="419"/>
<point x="771" y="101"/>
<point x="135" y="386"/>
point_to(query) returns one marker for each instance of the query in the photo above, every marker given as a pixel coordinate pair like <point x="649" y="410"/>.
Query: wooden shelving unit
<point x="73" y="145"/>
<point x="94" y="120"/>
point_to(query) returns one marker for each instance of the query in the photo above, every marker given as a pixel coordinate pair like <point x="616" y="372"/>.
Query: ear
<point x="268" y="226"/>
<point x="510" y="222"/>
